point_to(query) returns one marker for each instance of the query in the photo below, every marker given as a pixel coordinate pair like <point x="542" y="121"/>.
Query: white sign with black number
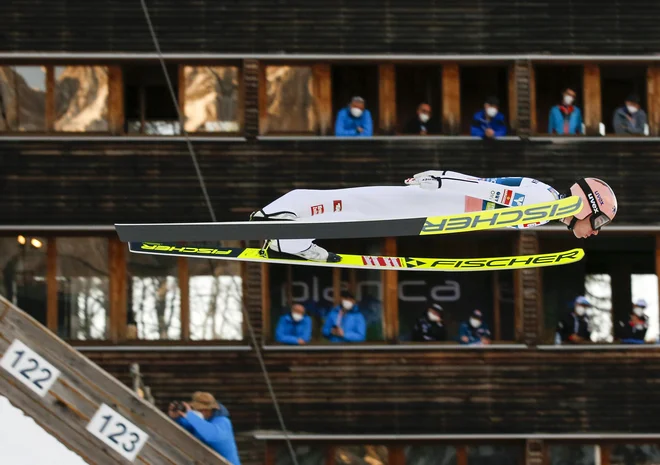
<point x="29" y="368"/>
<point x="117" y="432"/>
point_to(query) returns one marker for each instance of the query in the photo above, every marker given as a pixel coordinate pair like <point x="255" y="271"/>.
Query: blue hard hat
<point x="582" y="300"/>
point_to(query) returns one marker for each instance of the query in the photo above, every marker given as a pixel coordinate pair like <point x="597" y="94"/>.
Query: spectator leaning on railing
<point x="209" y="422"/>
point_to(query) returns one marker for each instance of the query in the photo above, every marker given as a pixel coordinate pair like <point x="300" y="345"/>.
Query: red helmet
<point x="598" y="200"/>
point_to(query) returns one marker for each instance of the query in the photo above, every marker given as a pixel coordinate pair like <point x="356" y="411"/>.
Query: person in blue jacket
<point x="294" y="328"/>
<point x="489" y="123"/>
<point x="345" y="323"/>
<point x="354" y="120"/>
<point x="209" y="422"/>
<point x="565" y="118"/>
<point x="474" y="331"/>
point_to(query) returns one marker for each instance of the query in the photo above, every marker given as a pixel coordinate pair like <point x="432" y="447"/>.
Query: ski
<point x="247" y="254"/>
<point x="320" y="229"/>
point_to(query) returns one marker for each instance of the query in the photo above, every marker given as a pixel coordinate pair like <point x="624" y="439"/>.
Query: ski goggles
<point x="598" y="219"/>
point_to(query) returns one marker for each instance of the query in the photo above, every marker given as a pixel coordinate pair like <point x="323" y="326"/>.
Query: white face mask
<point x="199" y="414"/>
<point x="568" y="99"/>
<point x="631" y="109"/>
<point x="638" y="311"/>
<point x="580" y="310"/>
<point x="346" y="304"/>
<point x="475" y="323"/>
<point x="491" y="111"/>
<point x="297" y="316"/>
<point x="433" y="317"/>
<point x="356" y="112"/>
<point x="423" y="117"/>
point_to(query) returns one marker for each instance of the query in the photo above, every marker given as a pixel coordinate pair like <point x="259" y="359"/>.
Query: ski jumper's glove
<point x="428" y="180"/>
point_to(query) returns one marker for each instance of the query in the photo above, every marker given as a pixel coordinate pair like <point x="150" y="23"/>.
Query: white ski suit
<point x="424" y="196"/>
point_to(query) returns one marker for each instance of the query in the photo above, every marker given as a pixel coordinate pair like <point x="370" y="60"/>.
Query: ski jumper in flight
<point x="432" y="193"/>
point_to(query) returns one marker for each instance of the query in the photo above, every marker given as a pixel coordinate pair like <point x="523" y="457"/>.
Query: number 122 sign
<point x="117" y="432"/>
<point x="29" y="368"/>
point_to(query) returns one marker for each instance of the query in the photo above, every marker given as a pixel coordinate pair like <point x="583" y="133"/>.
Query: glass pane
<point x="154" y="298"/>
<point x="430" y="455"/>
<point x="154" y="128"/>
<point x="216" y="295"/>
<point x="83" y="287"/>
<point x="630" y="454"/>
<point x="645" y="286"/>
<point x="23" y="98"/>
<point x="23" y="270"/>
<point x="290" y="99"/>
<point x="361" y="455"/>
<point x="81" y="98"/>
<point x="495" y="455"/>
<point x="598" y="291"/>
<point x="574" y="455"/>
<point x="305" y="455"/>
<point x="211" y="98"/>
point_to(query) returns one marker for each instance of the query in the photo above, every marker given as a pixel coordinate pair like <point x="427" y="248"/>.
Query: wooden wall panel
<point x="387" y="98"/>
<point x="252" y="98"/>
<point x="322" y="76"/>
<point x="593" y="113"/>
<point x="653" y="99"/>
<point x="451" y="99"/>
<point x="528" y="295"/>
<point x="116" y="113"/>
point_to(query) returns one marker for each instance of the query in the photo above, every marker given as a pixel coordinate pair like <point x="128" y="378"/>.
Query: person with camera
<point x="209" y="422"/>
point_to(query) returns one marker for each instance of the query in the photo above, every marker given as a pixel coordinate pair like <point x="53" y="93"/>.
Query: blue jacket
<point x="347" y="124"/>
<point x="289" y="331"/>
<point x="556" y="121"/>
<point x="474" y="335"/>
<point x="217" y="433"/>
<point x="352" y="322"/>
<point x="480" y="124"/>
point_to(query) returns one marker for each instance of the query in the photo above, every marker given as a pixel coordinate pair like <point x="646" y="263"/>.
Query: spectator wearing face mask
<point x="489" y="122"/>
<point x="565" y="118"/>
<point x="430" y="327"/>
<point x="630" y="118"/>
<point x="294" y="328"/>
<point x="354" y="120"/>
<point x="574" y="328"/>
<point x="634" y="330"/>
<point x="474" y="331"/>
<point x="345" y="323"/>
<point x="422" y="123"/>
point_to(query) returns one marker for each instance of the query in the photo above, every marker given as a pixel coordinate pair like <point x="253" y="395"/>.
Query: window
<point x="361" y="455"/>
<point x="82" y="283"/>
<point x="477" y="84"/>
<point x="415" y="85"/>
<point x="629" y="454"/>
<point x="574" y="455"/>
<point x="598" y="291"/>
<point x="154" y="303"/>
<point x="355" y="80"/>
<point x="23" y="98"/>
<point x="290" y="105"/>
<point x="23" y="272"/>
<point x="147" y="100"/>
<point x="645" y="286"/>
<point x="216" y="294"/>
<point x="211" y="98"/>
<point x="430" y="455"/>
<point x="550" y="81"/>
<point x="367" y="287"/>
<point x="495" y="455"/>
<point x="81" y="98"/>
<point x="305" y="455"/>
<point x="617" y="82"/>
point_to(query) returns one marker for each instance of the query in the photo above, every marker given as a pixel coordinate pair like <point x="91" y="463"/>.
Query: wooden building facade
<point x="89" y="137"/>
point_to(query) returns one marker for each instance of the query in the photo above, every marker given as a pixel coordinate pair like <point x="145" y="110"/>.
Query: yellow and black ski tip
<point x="262" y="255"/>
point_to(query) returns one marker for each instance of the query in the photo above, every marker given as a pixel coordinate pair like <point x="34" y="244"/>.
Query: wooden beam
<point x="387" y="98"/>
<point x="533" y="123"/>
<point x="263" y="100"/>
<point x="265" y="302"/>
<point x="534" y="452"/>
<point x="497" y="317"/>
<point x="653" y="99"/>
<point x="451" y="99"/>
<point x="396" y="455"/>
<point x="390" y="294"/>
<point x="592" y="99"/>
<point x="49" y="118"/>
<point x="322" y="88"/>
<point x="513" y="99"/>
<point x="182" y="92"/>
<point x="118" y="289"/>
<point x="116" y="115"/>
<point x="461" y="455"/>
<point x="51" y="284"/>
<point x="184" y="290"/>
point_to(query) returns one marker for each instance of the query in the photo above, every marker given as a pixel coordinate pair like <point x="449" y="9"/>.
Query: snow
<point x="23" y="442"/>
